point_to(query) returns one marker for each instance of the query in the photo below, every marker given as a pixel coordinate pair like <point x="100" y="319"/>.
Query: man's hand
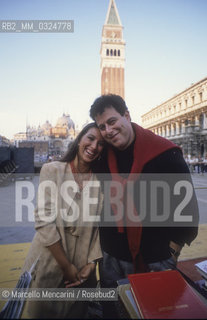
<point x="177" y="248"/>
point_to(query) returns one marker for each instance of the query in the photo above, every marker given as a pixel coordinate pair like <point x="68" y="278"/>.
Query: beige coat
<point x="80" y="242"/>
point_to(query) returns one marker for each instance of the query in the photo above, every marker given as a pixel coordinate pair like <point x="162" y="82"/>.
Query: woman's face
<point x="90" y="145"/>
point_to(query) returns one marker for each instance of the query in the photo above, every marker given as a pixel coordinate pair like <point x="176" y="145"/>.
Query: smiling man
<point x="116" y="128"/>
<point x="133" y="152"/>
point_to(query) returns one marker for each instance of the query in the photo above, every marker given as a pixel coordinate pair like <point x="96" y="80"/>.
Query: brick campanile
<point x="112" y="53"/>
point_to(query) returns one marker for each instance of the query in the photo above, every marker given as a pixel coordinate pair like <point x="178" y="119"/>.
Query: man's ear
<point x="127" y="115"/>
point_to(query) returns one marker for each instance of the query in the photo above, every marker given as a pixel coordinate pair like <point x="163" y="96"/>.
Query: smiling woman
<point x="90" y="147"/>
<point x="67" y="252"/>
<point x="84" y="152"/>
<point x="94" y="143"/>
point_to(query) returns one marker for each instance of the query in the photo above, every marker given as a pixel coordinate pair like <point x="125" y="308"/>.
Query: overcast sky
<point x="43" y="75"/>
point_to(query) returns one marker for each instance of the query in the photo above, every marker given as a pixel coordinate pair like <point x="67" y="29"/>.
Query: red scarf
<point x="146" y="147"/>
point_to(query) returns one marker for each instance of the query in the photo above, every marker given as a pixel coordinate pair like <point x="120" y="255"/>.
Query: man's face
<point x="115" y="129"/>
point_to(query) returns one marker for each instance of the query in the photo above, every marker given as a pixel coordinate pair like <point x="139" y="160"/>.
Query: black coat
<point x="170" y="168"/>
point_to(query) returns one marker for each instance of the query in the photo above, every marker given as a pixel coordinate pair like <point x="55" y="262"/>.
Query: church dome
<point x="46" y="126"/>
<point x="65" y="121"/>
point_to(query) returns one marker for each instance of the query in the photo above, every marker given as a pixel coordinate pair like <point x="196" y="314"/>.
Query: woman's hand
<point x="82" y="275"/>
<point x="71" y="276"/>
<point x="70" y="273"/>
<point x="85" y="272"/>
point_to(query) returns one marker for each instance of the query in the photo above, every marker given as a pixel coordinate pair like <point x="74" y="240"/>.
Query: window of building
<point x="186" y="102"/>
<point x="201" y="96"/>
<point x="111" y="52"/>
<point x="115" y="52"/>
<point x="193" y="99"/>
<point x="119" y="53"/>
<point x="107" y="52"/>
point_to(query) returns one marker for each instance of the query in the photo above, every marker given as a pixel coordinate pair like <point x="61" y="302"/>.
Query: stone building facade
<point x="64" y="128"/>
<point x="182" y="119"/>
<point x="48" y="140"/>
<point x="112" y="53"/>
<point x="4" y="142"/>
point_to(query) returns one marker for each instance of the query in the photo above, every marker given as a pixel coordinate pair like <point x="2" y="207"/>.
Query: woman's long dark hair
<point x="73" y="147"/>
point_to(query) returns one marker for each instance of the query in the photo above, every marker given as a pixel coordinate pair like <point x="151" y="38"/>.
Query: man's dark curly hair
<point x="107" y="101"/>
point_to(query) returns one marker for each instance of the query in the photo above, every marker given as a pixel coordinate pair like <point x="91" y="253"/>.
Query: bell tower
<point x="112" y="53"/>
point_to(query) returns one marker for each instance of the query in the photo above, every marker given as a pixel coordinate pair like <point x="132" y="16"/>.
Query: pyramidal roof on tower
<point x="112" y="16"/>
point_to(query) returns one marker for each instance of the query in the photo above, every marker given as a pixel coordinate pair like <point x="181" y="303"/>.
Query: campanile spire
<point x="112" y="53"/>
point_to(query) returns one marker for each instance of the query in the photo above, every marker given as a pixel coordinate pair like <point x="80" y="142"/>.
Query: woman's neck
<point x="81" y="166"/>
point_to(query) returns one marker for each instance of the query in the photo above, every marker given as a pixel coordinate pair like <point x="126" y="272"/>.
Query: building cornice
<point x="175" y="96"/>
